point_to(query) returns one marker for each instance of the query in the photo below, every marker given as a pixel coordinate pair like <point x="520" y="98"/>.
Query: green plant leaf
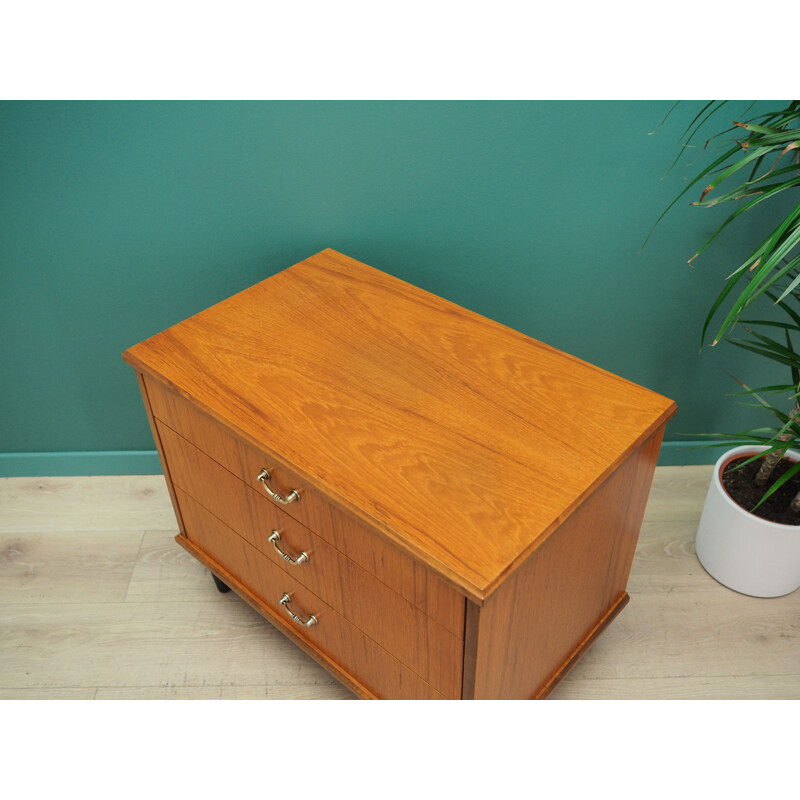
<point x="783" y="305"/>
<point x="795" y="371"/>
<point x="749" y="126"/>
<point x="717" y="303"/>
<point x="701" y="176"/>
<point x="769" y="323"/>
<point x="772" y="344"/>
<point x="776" y="389"/>
<point x="750" y="190"/>
<point x="772" y="266"/>
<point x="776" y="246"/>
<point x="666" y="117"/>
<point x="734" y="168"/>
<point x="761" y="351"/>
<point x="781" y="416"/>
<point x="764" y="195"/>
<point x="689" y="127"/>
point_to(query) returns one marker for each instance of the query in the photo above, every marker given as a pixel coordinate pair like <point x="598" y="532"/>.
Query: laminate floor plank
<point x="165" y="572"/>
<point x="98" y="601"/>
<point x="100" y="503"/>
<point x="162" y="645"/>
<point x="665" y="560"/>
<point x="57" y="693"/>
<point x="749" y="687"/>
<point x="290" y="691"/>
<point x="694" y="634"/>
<point x="82" y="567"/>
<point x="678" y="493"/>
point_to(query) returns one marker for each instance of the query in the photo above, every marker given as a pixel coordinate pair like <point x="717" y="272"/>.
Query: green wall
<point x="119" y="219"/>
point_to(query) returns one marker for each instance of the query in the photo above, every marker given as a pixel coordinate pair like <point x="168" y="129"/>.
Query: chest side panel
<point x="538" y="623"/>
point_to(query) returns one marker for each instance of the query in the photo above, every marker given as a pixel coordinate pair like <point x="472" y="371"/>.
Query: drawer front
<point x="334" y="636"/>
<point x="396" y="624"/>
<point x="407" y="577"/>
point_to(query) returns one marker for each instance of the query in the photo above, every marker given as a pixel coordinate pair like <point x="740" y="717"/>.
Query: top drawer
<point x="351" y="537"/>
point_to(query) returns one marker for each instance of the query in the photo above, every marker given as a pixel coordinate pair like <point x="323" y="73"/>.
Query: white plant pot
<point x="742" y="551"/>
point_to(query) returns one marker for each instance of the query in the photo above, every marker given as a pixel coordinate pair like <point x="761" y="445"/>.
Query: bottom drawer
<point x="372" y="666"/>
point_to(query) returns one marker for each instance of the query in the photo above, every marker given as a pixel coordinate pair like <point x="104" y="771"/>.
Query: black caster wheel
<point x="221" y="587"/>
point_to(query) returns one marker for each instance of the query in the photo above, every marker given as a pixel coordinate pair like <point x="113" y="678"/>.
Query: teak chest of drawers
<point x="401" y="486"/>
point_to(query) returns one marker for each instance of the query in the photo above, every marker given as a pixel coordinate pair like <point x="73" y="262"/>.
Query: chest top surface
<point x="450" y="434"/>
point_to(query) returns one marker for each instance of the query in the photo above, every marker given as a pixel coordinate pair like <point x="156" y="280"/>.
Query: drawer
<point x="350" y="536"/>
<point x="396" y="624"/>
<point x="333" y="635"/>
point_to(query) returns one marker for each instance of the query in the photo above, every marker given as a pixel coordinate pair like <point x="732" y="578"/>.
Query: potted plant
<point x="749" y="532"/>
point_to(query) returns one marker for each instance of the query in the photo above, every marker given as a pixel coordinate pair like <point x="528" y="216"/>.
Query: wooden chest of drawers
<point x="399" y="485"/>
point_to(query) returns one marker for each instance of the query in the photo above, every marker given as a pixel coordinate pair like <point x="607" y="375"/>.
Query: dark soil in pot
<point x="741" y="486"/>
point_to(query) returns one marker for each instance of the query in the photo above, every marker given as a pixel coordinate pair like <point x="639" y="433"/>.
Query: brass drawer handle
<point x="312" y="620"/>
<point x="292" y="497"/>
<point x="275" y="537"/>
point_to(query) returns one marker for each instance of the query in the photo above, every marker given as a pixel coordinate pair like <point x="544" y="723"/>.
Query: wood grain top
<point x="445" y="431"/>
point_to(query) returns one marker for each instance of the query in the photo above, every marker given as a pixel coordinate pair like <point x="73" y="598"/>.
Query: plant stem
<point x="772" y="459"/>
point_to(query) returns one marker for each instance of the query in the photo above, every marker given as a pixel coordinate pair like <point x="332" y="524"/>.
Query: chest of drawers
<point x="428" y="503"/>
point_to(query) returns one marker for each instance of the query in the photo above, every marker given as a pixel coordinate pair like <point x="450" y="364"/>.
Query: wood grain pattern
<point x="164" y="463"/>
<point x="330" y="574"/>
<point x="388" y="619"/>
<point x="529" y="631"/>
<point x="391" y="566"/>
<point x="360" y="663"/>
<point x="375" y="364"/>
<point x="580" y="650"/>
<point x="471" y="626"/>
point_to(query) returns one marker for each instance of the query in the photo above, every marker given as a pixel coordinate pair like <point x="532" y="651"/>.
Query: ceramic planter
<point x="742" y="551"/>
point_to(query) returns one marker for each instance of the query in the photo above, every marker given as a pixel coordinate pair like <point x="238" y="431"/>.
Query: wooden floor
<point x="98" y="602"/>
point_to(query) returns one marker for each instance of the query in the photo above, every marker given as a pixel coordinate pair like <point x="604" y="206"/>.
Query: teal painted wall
<point x="118" y="219"/>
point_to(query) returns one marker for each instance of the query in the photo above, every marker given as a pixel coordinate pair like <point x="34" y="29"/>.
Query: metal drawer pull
<point x="292" y="497"/>
<point x="275" y="537"/>
<point x="312" y="620"/>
